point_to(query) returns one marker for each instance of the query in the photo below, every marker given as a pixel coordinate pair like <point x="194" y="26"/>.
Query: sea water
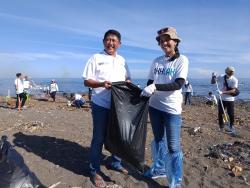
<point x="201" y="87"/>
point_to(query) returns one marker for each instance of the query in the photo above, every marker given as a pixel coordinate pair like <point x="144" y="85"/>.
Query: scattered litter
<point x="245" y="180"/>
<point x="55" y="185"/>
<point x="113" y="186"/>
<point x="230" y="159"/>
<point x="238" y="152"/>
<point x="236" y="170"/>
<point x="31" y="126"/>
<point x="194" y="131"/>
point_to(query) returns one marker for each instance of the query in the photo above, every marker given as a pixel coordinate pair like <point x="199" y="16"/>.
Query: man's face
<point x="111" y="44"/>
<point x="230" y="73"/>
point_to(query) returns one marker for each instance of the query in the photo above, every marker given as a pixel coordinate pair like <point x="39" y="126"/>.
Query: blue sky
<point x="54" y="38"/>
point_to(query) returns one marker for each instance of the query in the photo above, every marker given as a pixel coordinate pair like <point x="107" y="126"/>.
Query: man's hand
<point x="148" y="91"/>
<point x="106" y="84"/>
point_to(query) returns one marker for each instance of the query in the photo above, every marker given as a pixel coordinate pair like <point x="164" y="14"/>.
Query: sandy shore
<point x="54" y="140"/>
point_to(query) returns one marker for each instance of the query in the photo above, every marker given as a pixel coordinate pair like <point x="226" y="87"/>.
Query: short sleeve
<point x="182" y="68"/>
<point x="128" y="74"/>
<point x="89" y="70"/>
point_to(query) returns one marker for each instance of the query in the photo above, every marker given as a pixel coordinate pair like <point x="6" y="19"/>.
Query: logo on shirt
<point x="164" y="71"/>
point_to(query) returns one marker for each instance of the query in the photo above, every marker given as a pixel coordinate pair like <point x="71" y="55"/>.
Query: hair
<point x="177" y="53"/>
<point x="112" y="32"/>
<point x="18" y="74"/>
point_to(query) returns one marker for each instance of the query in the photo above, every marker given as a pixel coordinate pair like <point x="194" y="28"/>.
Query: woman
<point x="166" y="78"/>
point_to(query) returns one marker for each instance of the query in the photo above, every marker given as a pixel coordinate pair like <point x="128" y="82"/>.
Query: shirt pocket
<point x="103" y="71"/>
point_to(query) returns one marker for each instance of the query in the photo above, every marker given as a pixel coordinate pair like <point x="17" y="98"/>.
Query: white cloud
<point x="22" y="57"/>
<point x="49" y="24"/>
<point x="200" y="72"/>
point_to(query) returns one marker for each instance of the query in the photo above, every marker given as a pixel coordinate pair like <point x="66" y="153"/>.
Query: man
<point x="100" y="71"/>
<point x="21" y="97"/>
<point x="226" y="96"/>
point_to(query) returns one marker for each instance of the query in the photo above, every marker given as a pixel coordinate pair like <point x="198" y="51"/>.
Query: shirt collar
<point x="104" y="52"/>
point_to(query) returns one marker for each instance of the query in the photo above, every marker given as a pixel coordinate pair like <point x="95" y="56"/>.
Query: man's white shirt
<point x="19" y="86"/>
<point x="103" y="67"/>
<point x="232" y="83"/>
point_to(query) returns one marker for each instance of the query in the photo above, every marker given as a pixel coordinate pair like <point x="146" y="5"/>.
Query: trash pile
<point x="239" y="151"/>
<point x="237" y="154"/>
<point x="194" y="131"/>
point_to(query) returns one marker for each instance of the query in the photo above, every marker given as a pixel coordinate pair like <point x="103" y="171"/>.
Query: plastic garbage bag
<point x="13" y="172"/>
<point x="126" y="132"/>
<point x="174" y="168"/>
<point x="158" y="153"/>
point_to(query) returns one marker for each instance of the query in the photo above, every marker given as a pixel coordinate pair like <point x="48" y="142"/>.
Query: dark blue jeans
<point x="53" y="95"/>
<point x="188" y="96"/>
<point x="100" y="120"/>
<point x="79" y="103"/>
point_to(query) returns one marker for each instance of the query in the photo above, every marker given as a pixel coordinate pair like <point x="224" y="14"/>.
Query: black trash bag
<point x="13" y="172"/>
<point x="127" y="128"/>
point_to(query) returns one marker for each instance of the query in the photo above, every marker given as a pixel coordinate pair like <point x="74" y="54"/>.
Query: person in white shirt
<point x="211" y="99"/>
<point x="53" y="89"/>
<point x="26" y="84"/>
<point x="166" y="78"/>
<point x="226" y="96"/>
<point x="188" y="89"/>
<point x="78" y="101"/>
<point x="21" y="97"/>
<point x="100" y="71"/>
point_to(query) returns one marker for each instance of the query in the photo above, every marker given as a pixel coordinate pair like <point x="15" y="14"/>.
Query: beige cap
<point x="229" y="69"/>
<point x="170" y="31"/>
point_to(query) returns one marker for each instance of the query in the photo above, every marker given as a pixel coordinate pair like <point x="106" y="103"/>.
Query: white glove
<point x="148" y="91"/>
<point x="219" y="92"/>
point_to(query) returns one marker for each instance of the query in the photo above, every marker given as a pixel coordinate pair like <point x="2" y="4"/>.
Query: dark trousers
<point x="188" y="98"/>
<point x="53" y="95"/>
<point x="100" y="117"/>
<point x="79" y="103"/>
<point x="22" y="97"/>
<point x="229" y="108"/>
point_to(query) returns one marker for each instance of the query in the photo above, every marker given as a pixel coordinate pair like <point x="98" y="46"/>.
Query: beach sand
<point x="54" y="141"/>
